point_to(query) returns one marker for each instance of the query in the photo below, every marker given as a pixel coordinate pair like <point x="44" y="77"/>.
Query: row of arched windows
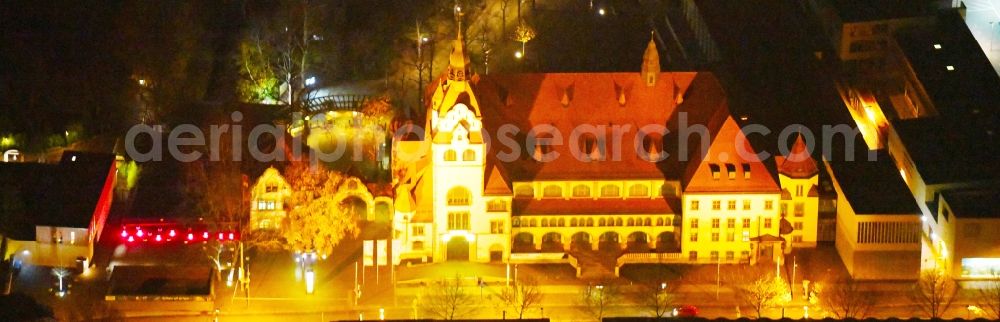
<point x="591" y="222"/>
<point x="583" y="191"/>
<point x="468" y="155"/>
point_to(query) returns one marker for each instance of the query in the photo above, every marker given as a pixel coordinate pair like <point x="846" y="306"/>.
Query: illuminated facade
<point x="267" y="200"/>
<point x="596" y="175"/>
<point x="799" y="177"/>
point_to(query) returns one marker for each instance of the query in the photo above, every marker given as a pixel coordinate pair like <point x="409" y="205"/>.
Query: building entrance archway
<point x="458" y="249"/>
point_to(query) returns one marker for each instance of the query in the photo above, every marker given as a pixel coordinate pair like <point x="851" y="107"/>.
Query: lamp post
<point x="791" y="284"/>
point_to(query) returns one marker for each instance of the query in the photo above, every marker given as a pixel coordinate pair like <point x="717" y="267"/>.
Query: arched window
<point x="545" y="222"/>
<point x="610" y="191"/>
<point x="515" y="222"/>
<point x="659" y="221"/>
<point x="469" y="155"/>
<point x="648" y="222"/>
<point x="590" y="222"/>
<point x="459" y="196"/>
<point x="572" y="222"/>
<point x="562" y="222"/>
<point x="638" y="190"/>
<point x="581" y="191"/>
<point x="450" y="155"/>
<point x="533" y="223"/>
<point x="543" y="145"/>
<point x="618" y="222"/>
<point x="601" y="222"/>
<point x="496" y="205"/>
<point x="525" y="191"/>
<point x="552" y="191"/>
<point x="631" y="222"/>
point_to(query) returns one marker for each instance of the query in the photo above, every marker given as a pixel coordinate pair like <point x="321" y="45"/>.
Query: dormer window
<point x="731" y="170"/>
<point x="610" y="191"/>
<point x="652" y="147"/>
<point x="524" y="191"/>
<point x="716" y="171"/>
<point x="543" y="145"/>
<point x="590" y="148"/>
<point x="746" y="171"/>
<point x="271" y="188"/>
<point x="638" y="190"/>
<point x="552" y="191"/>
<point x="469" y="155"/>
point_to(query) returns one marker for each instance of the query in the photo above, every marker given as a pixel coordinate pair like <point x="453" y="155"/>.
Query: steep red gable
<point x="724" y="167"/>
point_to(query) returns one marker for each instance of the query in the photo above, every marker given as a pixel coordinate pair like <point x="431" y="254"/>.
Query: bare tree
<point x="989" y="297"/>
<point x="215" y="251"/>
<point x="764" y="292"/>
<point x="596" y="299"/>
<point x="934" y="292"/>
<point x="521" y="297"/>
<point x="657" y="297"/>
<point x="846" y="299"/>
<point x="447" y="299"/>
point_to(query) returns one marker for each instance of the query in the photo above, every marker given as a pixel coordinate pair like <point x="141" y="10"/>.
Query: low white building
<point x="56" y="212"/>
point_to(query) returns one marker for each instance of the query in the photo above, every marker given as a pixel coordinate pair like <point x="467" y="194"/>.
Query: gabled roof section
<point x="798" y="164"/>
<point x="565" y="101"/>
<point x="724" y="167"/>
<point x="496" y="180"/>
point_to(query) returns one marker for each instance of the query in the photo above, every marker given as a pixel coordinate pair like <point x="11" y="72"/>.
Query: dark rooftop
<point x="874" y="187"/>
<point x="873" y="10"/>
<point x="960" y="143"/>
<point x="974" y="203"/>
<point x="63" y="195"/>
<point x="161" y="281"/>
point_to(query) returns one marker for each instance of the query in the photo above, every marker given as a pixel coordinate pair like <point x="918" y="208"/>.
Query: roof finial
<point x="456" y="68"/>
<point x="458" y="18"/>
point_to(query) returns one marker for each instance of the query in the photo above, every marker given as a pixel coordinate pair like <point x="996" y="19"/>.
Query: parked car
<point x="685" y="311"/>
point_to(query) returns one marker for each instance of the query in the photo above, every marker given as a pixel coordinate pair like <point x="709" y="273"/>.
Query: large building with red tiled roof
<point x="532" y="167"/>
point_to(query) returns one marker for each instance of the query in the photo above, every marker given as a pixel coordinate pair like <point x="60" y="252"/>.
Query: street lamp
<point x="311" y="81"/>
<point x="601" y="11"/>
<point x="518" y="54"/>
<point x="310" y="281"/>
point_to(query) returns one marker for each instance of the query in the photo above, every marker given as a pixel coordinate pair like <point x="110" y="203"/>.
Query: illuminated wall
<point x="267" y="203"/>
<point x="801" y="209"/>
<point x="613" y="228"/>
<point x="877" y="246"/>
<point x="718" y="227"/>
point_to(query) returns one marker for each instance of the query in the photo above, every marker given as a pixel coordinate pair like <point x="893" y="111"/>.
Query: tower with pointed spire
<point x="454" y="172"/>
<point x="799" y="177"/>
<point x="650" y="62"/>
